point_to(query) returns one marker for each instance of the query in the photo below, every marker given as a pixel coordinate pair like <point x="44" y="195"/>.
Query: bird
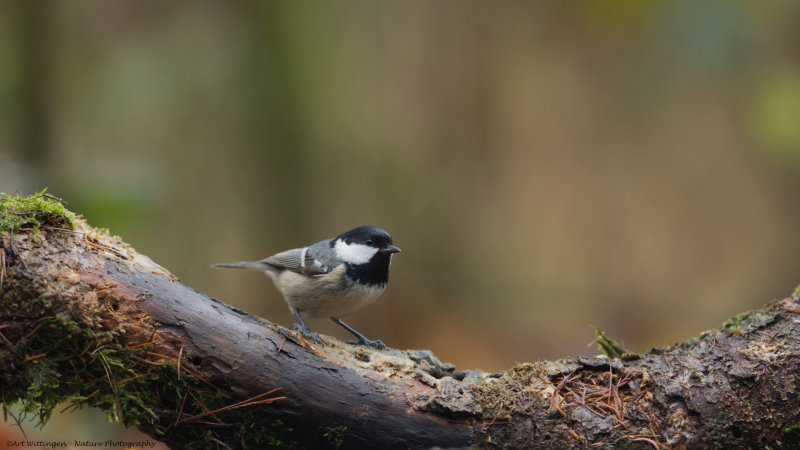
<point x="331" y="278"/>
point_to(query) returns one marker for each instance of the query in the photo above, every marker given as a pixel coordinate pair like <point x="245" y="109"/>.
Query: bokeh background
<point x="547" y="167"/>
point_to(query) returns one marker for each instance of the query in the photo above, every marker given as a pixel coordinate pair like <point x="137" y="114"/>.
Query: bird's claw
<point x="306" y="333"/>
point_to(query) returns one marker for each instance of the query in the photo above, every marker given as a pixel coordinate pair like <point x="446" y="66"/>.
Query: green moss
<point x="276" y="435"/>
<point x="608" y="346"/>
<point x="792" y="429"/>
<point x="68" y="362"/>
<point x="796" y="292"/>
<point x="85" y="368"/>
<point x="336" y="435"/>
<point x="732" y="324"/>
<point x="32" y="212"/>
<point x="70" y="365"/>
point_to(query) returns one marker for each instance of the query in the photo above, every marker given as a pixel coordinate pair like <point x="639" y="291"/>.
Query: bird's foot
<point x="376" y="344"/>
<point x="306" y="333"/>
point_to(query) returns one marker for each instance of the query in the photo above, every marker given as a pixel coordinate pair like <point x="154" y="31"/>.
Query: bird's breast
<point x="325" y="295"/>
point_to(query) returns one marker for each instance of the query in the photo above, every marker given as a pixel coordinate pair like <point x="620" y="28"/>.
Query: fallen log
<point x="85" y="320"/>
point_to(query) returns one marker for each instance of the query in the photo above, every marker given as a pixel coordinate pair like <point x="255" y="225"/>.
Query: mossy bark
<point x="87" y="320"/>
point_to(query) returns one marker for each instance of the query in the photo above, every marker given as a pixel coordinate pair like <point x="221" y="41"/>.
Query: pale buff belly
<point x="323" y="296"/>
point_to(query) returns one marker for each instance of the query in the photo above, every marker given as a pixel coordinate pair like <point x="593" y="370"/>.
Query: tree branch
<point x="85" y="319"/>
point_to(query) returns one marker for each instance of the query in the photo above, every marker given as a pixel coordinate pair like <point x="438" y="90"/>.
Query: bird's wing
<point x="299" y="260"/>
<point x="319" y="260"/>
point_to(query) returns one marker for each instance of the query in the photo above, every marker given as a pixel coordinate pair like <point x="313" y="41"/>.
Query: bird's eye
<point x="369" y="241"/>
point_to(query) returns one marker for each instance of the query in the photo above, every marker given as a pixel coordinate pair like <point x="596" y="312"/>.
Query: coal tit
<point x="331" y="278"/>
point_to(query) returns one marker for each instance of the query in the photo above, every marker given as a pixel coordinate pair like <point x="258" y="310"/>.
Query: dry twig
<point x="8" y="411"/>
<point x="249" y="402"/>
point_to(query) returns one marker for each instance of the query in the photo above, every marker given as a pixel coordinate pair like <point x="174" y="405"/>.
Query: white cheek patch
<point x="354" y="253"/>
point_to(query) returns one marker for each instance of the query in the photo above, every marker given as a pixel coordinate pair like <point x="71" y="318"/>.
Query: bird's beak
<point x="390" y="249"/>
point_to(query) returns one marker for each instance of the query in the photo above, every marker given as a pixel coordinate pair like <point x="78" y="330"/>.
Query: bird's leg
<point x="303" y="329"/>
<point x="361" y="339"/>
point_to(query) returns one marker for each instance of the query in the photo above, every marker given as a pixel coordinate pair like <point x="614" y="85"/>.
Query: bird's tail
<point x="251" y="265"/>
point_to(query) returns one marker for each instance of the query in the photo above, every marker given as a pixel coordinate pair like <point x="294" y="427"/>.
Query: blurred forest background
<point x="546" y="167"/>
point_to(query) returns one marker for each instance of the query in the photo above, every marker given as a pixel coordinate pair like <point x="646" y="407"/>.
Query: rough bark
<point x="87" y="320"/>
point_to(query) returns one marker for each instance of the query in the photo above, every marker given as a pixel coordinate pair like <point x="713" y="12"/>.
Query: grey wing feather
<point x="290" y="259"/>
<point x="306" y="261"/>
<point x="320" y="259"/>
